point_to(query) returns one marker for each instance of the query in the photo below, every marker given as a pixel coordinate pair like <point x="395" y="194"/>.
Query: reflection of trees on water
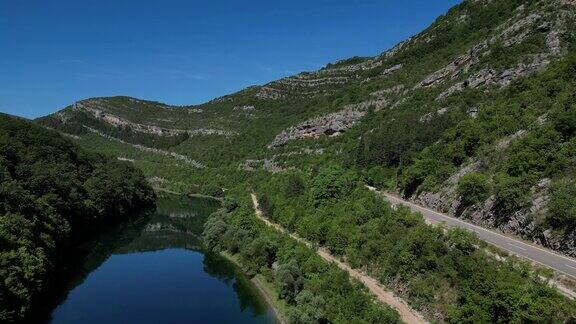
<point x="225" y="271"/>
<point x="90" y="255"/>
<point x="136" y="235"/>
<point x="177" y="223"/>
<point x="217" y="267"/>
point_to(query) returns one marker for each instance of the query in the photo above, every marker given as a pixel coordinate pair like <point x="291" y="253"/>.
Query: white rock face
<point x="267" y="92"/>
<point x="180" y="157"/>
<point x="244" y="108"/>
<point x="393" y="90"/>
<point x="333" y="124"/>
<point x="99" y="112"/>
<point x="461" y="63"/>
<point x="330" y="125"/>
<point x="489" y="76"/>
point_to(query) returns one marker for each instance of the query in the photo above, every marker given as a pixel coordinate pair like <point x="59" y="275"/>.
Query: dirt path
<point x="407" y="314"/>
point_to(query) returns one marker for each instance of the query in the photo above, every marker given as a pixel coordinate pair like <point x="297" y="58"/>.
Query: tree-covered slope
<point x="471" y="116"/>
<point x="52" y="193"/>
<point x="446" y="274"/>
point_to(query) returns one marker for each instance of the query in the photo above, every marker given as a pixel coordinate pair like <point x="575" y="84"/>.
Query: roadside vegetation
<point x="522" y="134"/>
<point x="313" y="290"/>
<point x="445" y="273"/>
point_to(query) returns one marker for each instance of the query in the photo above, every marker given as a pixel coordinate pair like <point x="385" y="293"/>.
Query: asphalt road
<point x="525" y="250"/>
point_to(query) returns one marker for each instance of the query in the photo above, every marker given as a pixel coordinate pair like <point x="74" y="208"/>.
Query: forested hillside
<point x="310" y="289"/>
<point x="446" y="274"/>
<point x="52" y="194"/>
<point x="472" y="116"/>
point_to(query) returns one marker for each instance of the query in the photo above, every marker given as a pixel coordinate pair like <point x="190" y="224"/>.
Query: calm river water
<point x="153" y="270"/>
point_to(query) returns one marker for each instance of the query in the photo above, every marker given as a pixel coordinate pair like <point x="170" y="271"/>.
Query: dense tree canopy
<point x="313" y="290"/>
<point x="447" y="273"/>
<point x="523" y="133"/>
<point x="52" y="193"/>
<point x="511" y="137"/>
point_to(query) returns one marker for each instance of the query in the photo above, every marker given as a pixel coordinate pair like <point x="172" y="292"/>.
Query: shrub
<point x="229" y="204"/>
<point x="331" y="183"/>
<point x="511" y="193"/>
<point x="381" y="177"/>
<point x="562" y="205"/>
<point x="473" y="188"/>
<point x="565" y="121"/>
<point x="295" y="186"/>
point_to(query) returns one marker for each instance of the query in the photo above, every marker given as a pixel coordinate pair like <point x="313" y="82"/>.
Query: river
<point x="152" y="269"/>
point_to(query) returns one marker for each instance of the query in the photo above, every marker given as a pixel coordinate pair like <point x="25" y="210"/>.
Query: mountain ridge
<point x="416" y="119"/>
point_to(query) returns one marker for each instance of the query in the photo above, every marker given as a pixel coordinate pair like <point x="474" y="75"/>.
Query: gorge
<point x="472" y="119"/>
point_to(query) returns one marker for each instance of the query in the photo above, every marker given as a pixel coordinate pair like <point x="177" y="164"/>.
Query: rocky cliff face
<point x="100" y="110"/>
<point x="427" y="83"/>
<point x="525" y="222"/>
<point x="466" y="70"/>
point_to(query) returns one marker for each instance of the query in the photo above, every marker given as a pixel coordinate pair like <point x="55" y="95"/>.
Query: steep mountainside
<point x="475" y="115"/>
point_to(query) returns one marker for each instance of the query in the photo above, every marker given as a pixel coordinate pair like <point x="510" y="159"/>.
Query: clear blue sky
<point x="54" y="52"/>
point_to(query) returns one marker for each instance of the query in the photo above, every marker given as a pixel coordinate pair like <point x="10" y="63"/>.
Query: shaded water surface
<point x="153" y="270"/>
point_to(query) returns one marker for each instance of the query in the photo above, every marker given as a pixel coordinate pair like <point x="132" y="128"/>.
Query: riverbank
<point x="265" y="289"/>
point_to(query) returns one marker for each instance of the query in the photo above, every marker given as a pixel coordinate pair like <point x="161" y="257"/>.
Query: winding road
<point x="532" y="252"/>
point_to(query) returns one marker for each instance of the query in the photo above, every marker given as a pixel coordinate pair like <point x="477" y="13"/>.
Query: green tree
<point x="295" y="186"/>
<point x="472" y="188"/>
<point x="562" y="205"/>
<point x="214" y="228"/>
<point x="289" y="280"/>
<point x="310" y="308"/>
<point x="331" y="183"/>
<point x="510" y="192"/>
